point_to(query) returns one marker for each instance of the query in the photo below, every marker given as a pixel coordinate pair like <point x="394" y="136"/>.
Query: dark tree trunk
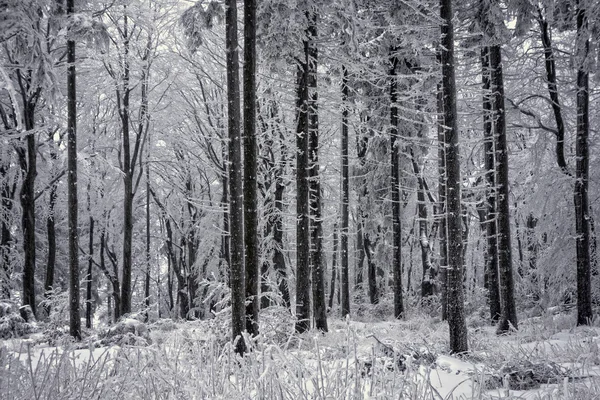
<point x="553" y="92"/>
<point x="147" y="277"/>
<point x="491" y="254"/>
<point x="369" y="248"/>
<point x="456" y="313"/>
<point x="315" y="208"/>
<point x="74" y="314"/>
<point x="302" y="201"/>
<point x="89" y="314"/>
<point x="236" y="214"/>
<point x="127" y="178"/>
<point x="359" y="254"/>
<point x="250" y="169"/>
<point x="27" y="198"/>
<point x="441" y="207"/>
<point x="395" y="183"/>
<point x="345" y="284"/>
<point x="51" y="232"/>
<point x="333" y="265"/>
<point x="508" y="315"/>
<point x="582" y="232"/>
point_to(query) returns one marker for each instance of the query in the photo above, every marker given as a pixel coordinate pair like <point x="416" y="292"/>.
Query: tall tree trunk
<point x="491" y="254"/>
<point x="147" y="277"/>
<point x="51" y="232"/>
<point x="27" y="198"/>
<point x="333" y="265"/>
<point x="315" y="208"/>
<point x="395" y="183"/>
<point x="369" y="249"/>
<point x="345" y="284"/>
<point x="302" y="205"/>
<point x="582" y="232"/>
<point x="508" y="315"/>
<point x="250" y="169"/>
<point x="225" y="253"/>
<point x="89" y="314"/>
<point x="236" y="214"/>
<point x="74" y="314"/>
<point x="127" y="178"/>
<point x="441" y="206"/>
<point x="456" y="313"/>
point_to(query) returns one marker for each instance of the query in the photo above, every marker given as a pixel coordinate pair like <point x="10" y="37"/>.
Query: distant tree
<point x="345" y="284"/>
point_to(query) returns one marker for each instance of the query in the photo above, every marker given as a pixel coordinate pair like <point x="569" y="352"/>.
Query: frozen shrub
<point x="12" y="323"/>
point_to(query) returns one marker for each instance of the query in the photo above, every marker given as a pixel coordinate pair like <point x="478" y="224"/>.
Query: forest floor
<point x="548" y="358"/>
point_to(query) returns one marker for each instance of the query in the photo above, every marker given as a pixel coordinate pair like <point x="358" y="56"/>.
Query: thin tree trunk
<point x="395" y="174"/>
<point x="5" y="235"/>
<point x="250" y="169"/>
<point x="369" y="248"/>
<point x="491" y="255"/>
<point x="553" y="92"/>
<point x="147" y="277"/>
<point x="278" y="257"/>
<point x="345" y="284"/>
<point x="582" y="232"/>
<point x="51" y="232"/>
<point x="508" y="315"/>
<point x="236" y="214"/>
<point x="456" y="314"/>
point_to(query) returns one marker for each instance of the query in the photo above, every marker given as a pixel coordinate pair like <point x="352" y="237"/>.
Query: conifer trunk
<point x="456" y="314"/>
<point x="345" y="281"/>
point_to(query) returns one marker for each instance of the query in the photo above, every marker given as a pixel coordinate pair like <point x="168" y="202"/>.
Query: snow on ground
<point x="385" y="359"/>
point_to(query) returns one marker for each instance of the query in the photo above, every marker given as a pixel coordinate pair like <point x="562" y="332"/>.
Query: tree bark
<point x="345" y="281"/>
<point x="302" y="201"/>
<point x="395" y="183"/>
<point x="236" y="214"/>
<point x="250" y="169"/>
<point x="315" y="208"/>
<point x="89" y="315"/>
<point x="456" y="315"/>
<point x="582" y="232"/>
<point x="491" y="254"/>
<point x="508" y="315"/>
<point x="74" y="314"/>
<point x="333" y="265"/>
<point x="441" y="207"/>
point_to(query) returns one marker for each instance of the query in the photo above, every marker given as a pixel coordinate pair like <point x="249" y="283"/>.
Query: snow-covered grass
<point x="547" y="359"/>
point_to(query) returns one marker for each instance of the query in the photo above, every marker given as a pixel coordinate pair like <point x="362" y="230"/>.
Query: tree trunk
<point x="550" y="66"/>
<point x="51" y="232"/>
<point x="441" y="207"/>
<point x="225" y="236"/>
<point x="302" y="204"/>
<point x="236" y="214"/>
<point x="278" y="257"/>
<point x="89" y="314"/>
<point x="456" y="314"/>
<point x="395" y="183"/>
<point x="508" y="315"/>
<point x="250" y="169"/>
<point x="345" y="284"/>
<point x="315" y="208"/>
<point x="147" y="277"/>
<point x="127" y="179"/>
<point x="582" y="233"/>
<point x="369" y="248"/>
<point x="5" y="235"/>
<point x="74" y="314"/>
<point x="333" y="265"/>
<point x="491" y="254"/>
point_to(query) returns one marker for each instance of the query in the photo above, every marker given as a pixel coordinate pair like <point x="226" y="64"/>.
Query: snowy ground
<point x="546" y="359"/>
